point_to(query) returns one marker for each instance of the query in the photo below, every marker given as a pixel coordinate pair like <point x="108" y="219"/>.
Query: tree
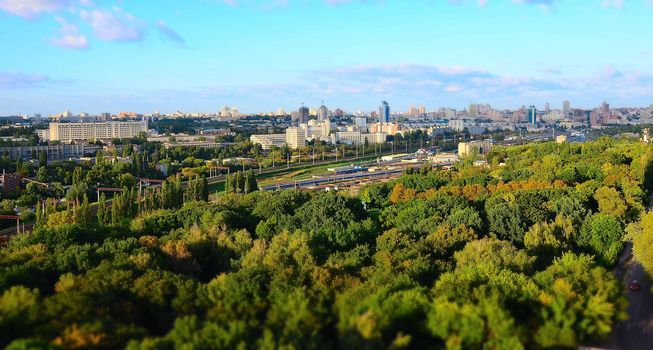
<point x="102" y="213"/>
<point x="250" y="182"/>
<point x="493" y="251"/>
<point x="580" y="301"/>
<point x="601" y="235"/>
<point x="18" y="309"/>
<point x="42" y="174"/>
<point x="83" y="212"/>
<point x="43" y="159"/>
<point x="610" y="201"/>
<point x="547" y="240"/>
<point x="643" y="242"/>
<point x="505" y="219"/>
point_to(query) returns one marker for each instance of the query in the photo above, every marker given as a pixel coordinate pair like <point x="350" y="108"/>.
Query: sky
<point x="99" y="56"/>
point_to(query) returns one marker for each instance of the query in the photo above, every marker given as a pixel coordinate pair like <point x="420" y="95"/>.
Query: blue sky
<point x="198" y="55"/>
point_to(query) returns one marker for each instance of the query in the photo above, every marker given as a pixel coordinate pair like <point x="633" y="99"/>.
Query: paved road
<point x="637" y="332"/>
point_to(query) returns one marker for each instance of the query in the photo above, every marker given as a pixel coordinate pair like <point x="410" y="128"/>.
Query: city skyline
<point x="197" y="56"/>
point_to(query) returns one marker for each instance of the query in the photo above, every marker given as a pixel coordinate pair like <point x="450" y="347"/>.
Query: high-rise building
<point x="77" y="131"/>
<point x="229" y="112"/>
<point x="473" y="110"/>
<point x="295" y="137"/>
<point x="303" y="115"/>
<point x="547" y="108"/>
<point x="605" y="108"/>
<point x="566" y="108"/>
<point x="531" y="114"/>
<point x="361" y="123"/>
<point x="322" y="113"/>
<point x="384" y="112"/>
<point x="281" y="111"/>
<point x="422" y="111"/>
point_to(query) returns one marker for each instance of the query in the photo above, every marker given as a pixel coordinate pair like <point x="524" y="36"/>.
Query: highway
<point x="363" y="175"/>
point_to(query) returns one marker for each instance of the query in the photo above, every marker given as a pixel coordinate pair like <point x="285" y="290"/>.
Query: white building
<point x="295" y="137"/>
<point x="229" y="113"/>
<point x="356" y="137"/>
<point x="322" y="113"/>
<point x="43" y="134"/>
<point x="268" y="140"/>
<point x="566" y="108"/>
<point x="457" y="124"/>
<point x="317" y="130"/>
<point x="96" y="130"/>
<point x="482" y="147"/>
<point x="361" y="123"/>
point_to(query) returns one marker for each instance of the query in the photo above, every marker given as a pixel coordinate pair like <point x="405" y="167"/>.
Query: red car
<point x="634" y="285"/>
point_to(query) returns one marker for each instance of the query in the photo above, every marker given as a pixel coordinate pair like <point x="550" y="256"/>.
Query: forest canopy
<point x="516" y="255"/>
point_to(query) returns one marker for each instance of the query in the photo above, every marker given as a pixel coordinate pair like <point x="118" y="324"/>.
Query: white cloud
<point x="32" y="8"/>
<point x="21" y="80"/>
<point x="170" y="33"/>
<point x="70" y="37"/>
<point x="113" y="25"/>
<point x="613" y="3"/>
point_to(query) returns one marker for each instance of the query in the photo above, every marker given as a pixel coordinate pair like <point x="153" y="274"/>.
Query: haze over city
<point x="196" y="56"/>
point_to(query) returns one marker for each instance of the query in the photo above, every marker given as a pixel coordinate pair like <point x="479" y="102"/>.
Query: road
<point x="637" y="332"/>
<point x="334" y="179"/>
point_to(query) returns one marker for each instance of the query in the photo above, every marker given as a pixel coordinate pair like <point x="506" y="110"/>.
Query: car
<point x="634" y="285"/>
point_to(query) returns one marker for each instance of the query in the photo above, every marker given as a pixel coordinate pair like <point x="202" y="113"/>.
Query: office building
<point x="54" y="152"/>
<point x="229" y="113"/>
<point x="295" y="137"/>
<point x="268" y="140"/>
<point x="358" y="138"/>
<point x="302" y="115"/>
<point x="388" y="128"/>
<point x="384" y="112"/>
<point x="361" y="123"/>
<point x="566" y="108"/>
<point x="473" y="110"/>
<point x="322" y="113"/>
<point x="457" y="124"/>
<point x="10" y="182"/>
<point x="481" y="147"/>
<point x="78" y="131"/>
<point x="531" y="115"/>
<point x="547" y="108"/>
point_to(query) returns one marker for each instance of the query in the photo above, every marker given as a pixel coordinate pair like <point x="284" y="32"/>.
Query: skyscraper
<point x="303" y="115"/>
<point x="473" y="110"/>
<point x="531" y="114"/>
<point x="547" y="108"/>
<point x="322" y="113"/>
<point x="422" y="111"/>
<point x="566" y="108"/>
<point x="384" y="112"/>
